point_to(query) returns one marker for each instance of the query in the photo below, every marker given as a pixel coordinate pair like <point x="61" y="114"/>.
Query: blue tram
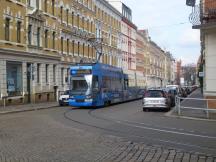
<point x="97" y="84"/>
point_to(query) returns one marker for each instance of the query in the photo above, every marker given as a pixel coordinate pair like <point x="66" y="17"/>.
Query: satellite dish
<point x="190" y="3"/>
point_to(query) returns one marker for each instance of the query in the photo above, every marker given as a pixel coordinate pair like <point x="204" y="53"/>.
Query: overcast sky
<point x="168" y="25"/>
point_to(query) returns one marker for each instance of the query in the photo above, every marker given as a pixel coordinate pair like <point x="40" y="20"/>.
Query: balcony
<point x="204" y="15"/>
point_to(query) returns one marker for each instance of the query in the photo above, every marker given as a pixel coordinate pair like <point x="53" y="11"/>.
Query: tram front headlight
<point x="88" y="96"/>
<point x="71" y="97"/>
<point x="88" y="100"/>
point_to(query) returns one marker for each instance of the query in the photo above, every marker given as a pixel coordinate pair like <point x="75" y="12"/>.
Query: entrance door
<point x="29" y="82"/>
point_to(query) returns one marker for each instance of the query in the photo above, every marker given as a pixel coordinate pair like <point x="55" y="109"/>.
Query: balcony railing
<point x="204" y="13"/>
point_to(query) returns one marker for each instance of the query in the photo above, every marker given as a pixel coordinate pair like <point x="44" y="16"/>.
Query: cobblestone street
<point x="36" y="136"/>
<point x="138" y="152"/>
<point x="39" y="138"/>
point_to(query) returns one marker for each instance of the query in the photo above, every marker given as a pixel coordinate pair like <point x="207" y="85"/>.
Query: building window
<point x="38" y="36"/>
<point x="83" y="49"/>
<point x="7" y="29"/>
<point x="91" y="27"/>
<point x="67" y="12"/>
<point x="72" y="18"/>
<point x="88" y="51"/>
<point x="47" y="73"/>
<point x="54" y="73"/>
<point x="38" y="73"/>
<point x="62" y="45"/>
<point x="45" y="5"/>
<point x="61" y="14"/>
<point x="53" y="40"/>
<point x="46" y="38"/>
<point x="68" y="46"/>
<point x="18" y="31"/>
<point x="37" y="4"/>
<point x="14" y="78"/>
<point x="73" y="42"/>
<point x="53" y="7"/>
<point x="87" y="25"/>
<point x="68" y="74"/>
<point x="78" y="20"/>
<point x="83" y="23"/>
<point x="29" y="34"/>
<point x="78" y="48"/>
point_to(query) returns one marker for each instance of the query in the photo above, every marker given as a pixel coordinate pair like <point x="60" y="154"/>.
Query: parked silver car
<point x="156" y="99"/>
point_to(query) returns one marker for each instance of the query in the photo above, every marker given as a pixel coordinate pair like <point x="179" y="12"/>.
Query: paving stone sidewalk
<point x="27" y="107"/>
<point x="139" y="152"/>
<point x="193" y="113"/>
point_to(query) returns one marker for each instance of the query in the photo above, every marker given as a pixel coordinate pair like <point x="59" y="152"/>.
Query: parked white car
<point x="63" y="99"/>
<point x="156" y="99"/>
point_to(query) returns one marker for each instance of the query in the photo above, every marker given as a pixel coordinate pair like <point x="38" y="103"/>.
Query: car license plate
<point x="155" y="101"/>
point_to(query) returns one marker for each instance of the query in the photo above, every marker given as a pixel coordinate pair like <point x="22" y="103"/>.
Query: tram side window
<point x="117" y="84"/>
<point x="95" y="84"/>
<point x="126" y="84"/>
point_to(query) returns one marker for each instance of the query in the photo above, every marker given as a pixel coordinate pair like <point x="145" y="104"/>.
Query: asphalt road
<point x="120" y="132"/>
<point x="129" y="121"/>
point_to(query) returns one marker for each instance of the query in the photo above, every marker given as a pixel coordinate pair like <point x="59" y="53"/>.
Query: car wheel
<point x="144" y="109"/>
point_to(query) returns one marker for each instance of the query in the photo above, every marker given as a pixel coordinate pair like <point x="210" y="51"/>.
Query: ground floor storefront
<point x="31" y="78"/>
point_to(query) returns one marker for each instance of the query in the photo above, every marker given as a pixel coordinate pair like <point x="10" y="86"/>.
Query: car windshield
<point x="81" y="85"/>
<point x="154" y="94"/>
<point x="67" y="92"/>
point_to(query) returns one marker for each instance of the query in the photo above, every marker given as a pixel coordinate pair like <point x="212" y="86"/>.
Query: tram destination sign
<point x="81" y="71"/>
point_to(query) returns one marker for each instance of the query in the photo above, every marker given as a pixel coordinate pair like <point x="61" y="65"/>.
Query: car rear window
<point x="154" y="94"/>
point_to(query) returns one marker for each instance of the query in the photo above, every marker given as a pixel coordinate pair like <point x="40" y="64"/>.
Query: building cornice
<point x="28" y="54"/>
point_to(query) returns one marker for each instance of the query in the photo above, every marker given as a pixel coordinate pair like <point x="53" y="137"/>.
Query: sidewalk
<point x="27" y="107"/>
<point x="193" y="114"/>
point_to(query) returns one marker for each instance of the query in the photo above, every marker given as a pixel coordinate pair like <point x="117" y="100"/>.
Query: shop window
<point x="14" y="78"/>
<point x="62" y="76"/>
<point x="54" y="73"/>
<point x="38" y="73"/>
<point x="47" y="73"/>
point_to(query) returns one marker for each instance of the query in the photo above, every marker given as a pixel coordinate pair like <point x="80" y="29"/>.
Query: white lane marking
<point x="173" y="142"/>
<point x="167" y="131"/>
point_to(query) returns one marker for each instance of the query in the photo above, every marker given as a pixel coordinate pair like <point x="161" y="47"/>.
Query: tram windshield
<point x="81" y="85"/>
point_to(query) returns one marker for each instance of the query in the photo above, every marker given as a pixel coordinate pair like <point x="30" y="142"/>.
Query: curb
<point x="26" y="110"/>
<point x="169" y="114"/>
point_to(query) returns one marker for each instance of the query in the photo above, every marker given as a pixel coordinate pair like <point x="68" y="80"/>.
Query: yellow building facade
<point x="41" y="39"/>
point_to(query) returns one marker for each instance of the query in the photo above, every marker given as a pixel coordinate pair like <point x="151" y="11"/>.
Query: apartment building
<point x="142" y="57"/>
<point x="108" y="29"/>
<point x="128" y="40"/>
<point x="40" y="40"/>
<point x="203" y="17"/>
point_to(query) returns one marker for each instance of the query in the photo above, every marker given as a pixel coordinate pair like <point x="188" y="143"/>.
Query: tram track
<point x="67" y="115"/>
